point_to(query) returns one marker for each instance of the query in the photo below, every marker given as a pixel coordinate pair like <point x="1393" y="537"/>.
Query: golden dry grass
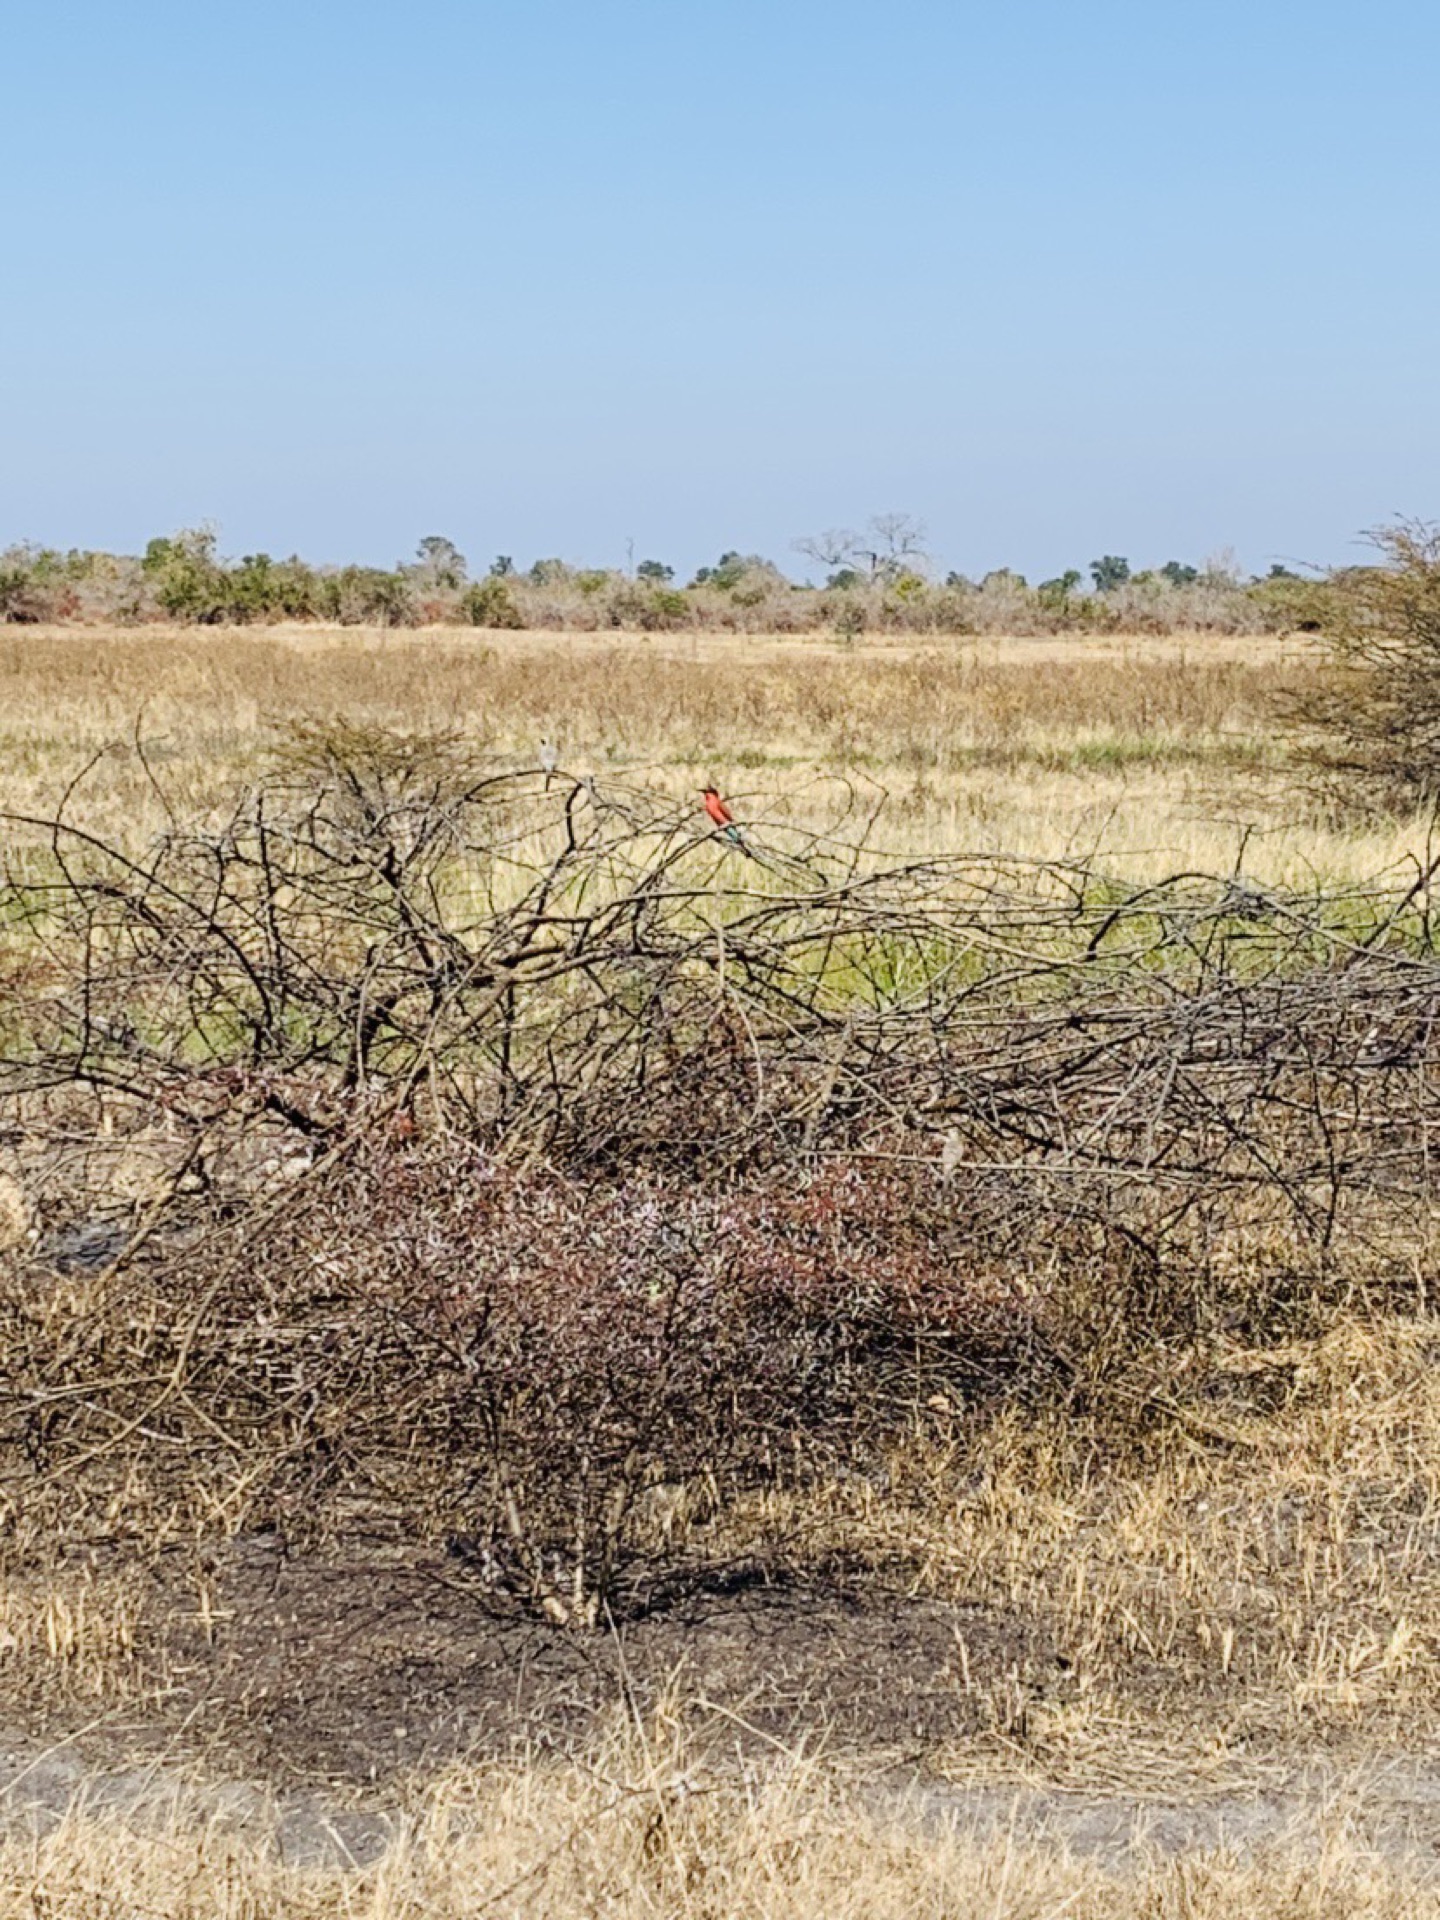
<point x="77" y="1636"/>
<point x="1206" y="1611"/>
<point x="643" y="1826"/>
<point x="1297" y="1566"/>
<point x="1158" y="753"/>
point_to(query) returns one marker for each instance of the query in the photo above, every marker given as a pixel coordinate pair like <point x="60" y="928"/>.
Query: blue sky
<point x="1059" y="279"/>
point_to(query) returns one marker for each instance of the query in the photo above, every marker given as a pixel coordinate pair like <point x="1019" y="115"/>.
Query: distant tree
<point x="999" y="578"/>
<point x="1056" y="592"/>
<point x="260" y="588"/>
<point x="490" y="603"/>
<point x="1277" y="572"/>
<point x="549" y="573"/>
<point x="889" y="544"/>
<point x="188" y="579"/>
<point x="733" y="569"/>
<point x="897" y="544"/>
<point x="502" y="567"/>
<point x="1110" y="571"/>
<point x="439" y="563"/>
<point x="1178" y="574"/>
<point x="845" y="579"/>
<point x="1222" y="569"/>
<point x="655" y="571"/>
<point x="728" y="571"/>
<point x="192" y="546"/>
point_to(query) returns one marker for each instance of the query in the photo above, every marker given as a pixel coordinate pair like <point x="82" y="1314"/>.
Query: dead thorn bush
<point x="503" y="1157"/>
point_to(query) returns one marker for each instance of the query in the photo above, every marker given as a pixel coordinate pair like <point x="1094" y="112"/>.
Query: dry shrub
<point x="585" y="1360"/>
<point x="1372" y="723"/>
<point x="515" y="1160"/>
<point x="548" y="1370"/>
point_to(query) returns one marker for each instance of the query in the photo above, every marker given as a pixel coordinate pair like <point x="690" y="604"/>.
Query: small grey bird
<point x="549" y="760"/>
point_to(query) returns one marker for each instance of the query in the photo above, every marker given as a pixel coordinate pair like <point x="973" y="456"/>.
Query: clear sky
<point x="1060" y="277"/>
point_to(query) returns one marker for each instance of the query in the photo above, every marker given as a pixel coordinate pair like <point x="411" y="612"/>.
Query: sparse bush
<point x="16" y="603"/>
<point x="38" y="585"/>
<point x="1286" y="602"/>
<point x="490" y="603"/>
<point x="367" y="596"/>
<point x="186" y="577"/>
<point x="1374" y="721"/>
<point x="664" y="610"/>
<point x="847" y="617"/>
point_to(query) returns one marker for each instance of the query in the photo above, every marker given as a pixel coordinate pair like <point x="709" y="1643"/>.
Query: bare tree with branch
<point x="889" y="546"/>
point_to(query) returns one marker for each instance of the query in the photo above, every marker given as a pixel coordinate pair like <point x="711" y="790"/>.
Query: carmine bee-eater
<point x="725" y="820"/>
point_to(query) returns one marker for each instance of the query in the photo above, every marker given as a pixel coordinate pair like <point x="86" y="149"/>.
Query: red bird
<point x="725" y="820"/>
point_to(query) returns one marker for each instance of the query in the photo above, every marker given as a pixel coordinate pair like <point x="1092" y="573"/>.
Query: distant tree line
<point x="878" y="578"/>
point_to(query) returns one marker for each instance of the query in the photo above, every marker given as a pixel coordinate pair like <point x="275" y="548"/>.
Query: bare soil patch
<point x="355" y="1669"/>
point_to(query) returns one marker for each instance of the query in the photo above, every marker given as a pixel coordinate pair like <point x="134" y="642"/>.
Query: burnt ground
<point x="314" y="1692"/>
<point x="330" y="1671"/>
<point x="345" y="1670"/>
<point x="410" y="1672"/>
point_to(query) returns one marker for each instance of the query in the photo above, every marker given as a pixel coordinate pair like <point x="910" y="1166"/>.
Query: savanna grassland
<point x="1155" y="752"/>
<point x="553" y="1367"/>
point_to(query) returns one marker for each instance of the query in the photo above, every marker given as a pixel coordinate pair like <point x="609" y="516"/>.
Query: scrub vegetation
<point x="878" y="579"/>
<point x="887" y="1369"/>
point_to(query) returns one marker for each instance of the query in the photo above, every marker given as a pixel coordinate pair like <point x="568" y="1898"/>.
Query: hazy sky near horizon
<point x="1058" y="278"/>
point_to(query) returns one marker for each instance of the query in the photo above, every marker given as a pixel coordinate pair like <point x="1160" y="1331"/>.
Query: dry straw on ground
<point x="825" y="1864"/>
<point x="646" y="1825"/>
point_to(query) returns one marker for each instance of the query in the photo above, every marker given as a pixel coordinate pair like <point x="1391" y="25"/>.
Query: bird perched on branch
<point x="725" y="820"/>
<point x="549" y="760"/>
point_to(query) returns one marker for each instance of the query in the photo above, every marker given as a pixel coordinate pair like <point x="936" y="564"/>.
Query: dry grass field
<point x="1167" y="1646"/>
<point x="1155" y="753"/>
